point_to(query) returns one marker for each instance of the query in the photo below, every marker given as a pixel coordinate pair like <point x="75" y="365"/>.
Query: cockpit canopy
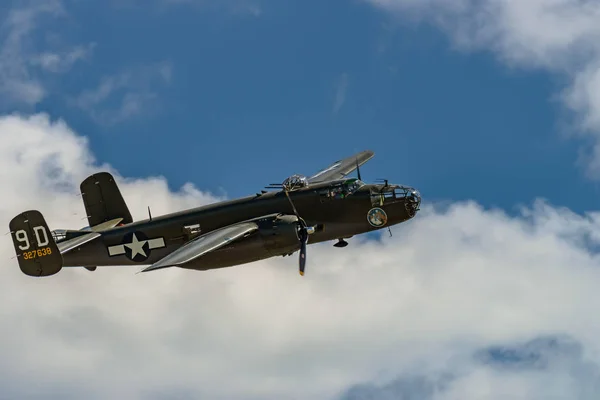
<point x="341" y="189"/>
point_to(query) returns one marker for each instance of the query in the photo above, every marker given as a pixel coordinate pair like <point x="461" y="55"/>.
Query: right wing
<point x="204" y="244"/>
<point x="341" y="168"/>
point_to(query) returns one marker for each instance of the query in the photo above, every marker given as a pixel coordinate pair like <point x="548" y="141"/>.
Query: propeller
<point x="303" y="243"/>
<point x="303" y="232"/>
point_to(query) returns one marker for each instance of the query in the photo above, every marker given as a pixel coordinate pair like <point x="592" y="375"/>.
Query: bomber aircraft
<point x="300" y="211"/>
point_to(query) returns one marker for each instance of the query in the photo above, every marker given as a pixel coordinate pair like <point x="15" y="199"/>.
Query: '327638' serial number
<point x="37" y="253"/>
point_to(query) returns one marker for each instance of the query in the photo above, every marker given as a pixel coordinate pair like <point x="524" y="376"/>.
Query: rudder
<point x="37" y="252"/>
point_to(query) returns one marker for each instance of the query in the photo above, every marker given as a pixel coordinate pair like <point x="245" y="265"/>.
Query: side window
<point x="338" y="192"/>
<point x="333" y="192"/>
<point x="325" y="195"/>
<point x="377" y="199"/>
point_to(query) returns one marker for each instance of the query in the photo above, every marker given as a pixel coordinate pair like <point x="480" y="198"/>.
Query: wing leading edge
<point x="341" y="168"/>
<point x="204" y="244"/>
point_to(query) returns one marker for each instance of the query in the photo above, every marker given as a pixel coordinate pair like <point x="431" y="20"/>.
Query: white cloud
<point x="131" y="90"/>
<point x="63" y="61"/>
<point x="340" y="93"/>
<point x="21" y="61"/>
<point x="448" y="283"/>
<point x="28" y="63"/>
<point x="560" y="36"/>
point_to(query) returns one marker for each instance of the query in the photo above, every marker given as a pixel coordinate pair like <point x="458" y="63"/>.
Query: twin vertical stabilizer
<point x="39" y="253"/>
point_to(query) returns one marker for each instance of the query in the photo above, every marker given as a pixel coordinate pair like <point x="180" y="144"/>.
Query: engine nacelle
<point x="280" y="232"/>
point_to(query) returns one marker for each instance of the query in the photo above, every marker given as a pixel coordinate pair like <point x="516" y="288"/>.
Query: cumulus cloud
<point x="546" y="367"/>
<point x="560" y="36"/>
<point x="418" y="308"/>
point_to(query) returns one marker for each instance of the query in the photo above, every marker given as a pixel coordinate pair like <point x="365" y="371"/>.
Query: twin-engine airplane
<point x="326" y="206"/>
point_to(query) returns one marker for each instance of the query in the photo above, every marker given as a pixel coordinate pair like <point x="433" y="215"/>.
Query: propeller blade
<point x="302" y="260"/>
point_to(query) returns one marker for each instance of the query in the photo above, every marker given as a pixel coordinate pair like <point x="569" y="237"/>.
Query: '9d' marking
<point x="41" y="238"/>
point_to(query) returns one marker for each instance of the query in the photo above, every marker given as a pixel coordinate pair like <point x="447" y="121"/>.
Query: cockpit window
<point x="352" y="185"/>
<point x="341" y="190"/>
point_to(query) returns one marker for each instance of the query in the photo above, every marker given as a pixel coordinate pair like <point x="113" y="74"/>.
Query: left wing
<point x="204" y="244"/>
<point x="341" y="168"/>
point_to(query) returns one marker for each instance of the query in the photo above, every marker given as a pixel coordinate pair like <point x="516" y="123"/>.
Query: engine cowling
<point x="280" y="233"/>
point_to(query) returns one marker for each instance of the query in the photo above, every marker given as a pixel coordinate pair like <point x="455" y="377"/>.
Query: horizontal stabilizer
<point x="71" y="244"/>
<point x="204" y="244"/>
<point x="104" y="226"/>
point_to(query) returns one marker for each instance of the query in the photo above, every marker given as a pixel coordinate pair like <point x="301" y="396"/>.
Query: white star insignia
<point x="136" y="246"/>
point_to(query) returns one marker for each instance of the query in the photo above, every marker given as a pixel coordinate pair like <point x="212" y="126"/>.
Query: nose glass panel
<point x="413" y="201"/>
<point x="410" y="197"/>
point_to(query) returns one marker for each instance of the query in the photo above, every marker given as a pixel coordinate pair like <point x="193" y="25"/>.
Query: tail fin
<point x="37" y="252"/>
<point x="103" y="200"/>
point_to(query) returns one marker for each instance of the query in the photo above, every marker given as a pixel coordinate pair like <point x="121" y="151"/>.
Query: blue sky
<point x="251" y="97"/>
<point x="492" y="101"/>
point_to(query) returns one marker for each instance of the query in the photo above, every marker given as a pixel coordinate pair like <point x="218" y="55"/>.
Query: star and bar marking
<point x="136" y="246"/>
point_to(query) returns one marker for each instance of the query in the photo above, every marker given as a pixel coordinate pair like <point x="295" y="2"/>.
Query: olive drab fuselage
<point x="334" y="213"/>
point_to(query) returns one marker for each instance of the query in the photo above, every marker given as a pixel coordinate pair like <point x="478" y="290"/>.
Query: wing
<point x="204" y="244"/>
<point x="341" y="168"/>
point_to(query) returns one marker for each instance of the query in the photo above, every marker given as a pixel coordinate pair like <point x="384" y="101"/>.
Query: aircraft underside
<point x="255" y="246"/>
<point x="243" y="253"/>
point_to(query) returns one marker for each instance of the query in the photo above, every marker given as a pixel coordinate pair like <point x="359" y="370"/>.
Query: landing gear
<point x="341" y="243"/>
